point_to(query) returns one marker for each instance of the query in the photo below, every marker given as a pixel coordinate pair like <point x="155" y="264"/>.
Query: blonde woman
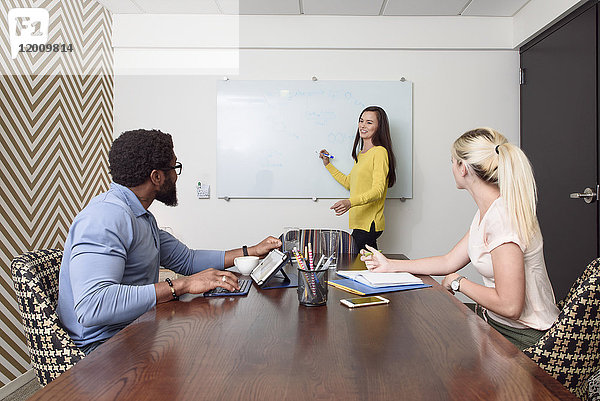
<point x="504" y="242"/>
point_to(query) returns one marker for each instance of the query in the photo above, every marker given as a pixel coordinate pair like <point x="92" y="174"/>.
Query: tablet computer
<point x="268" y="266"/>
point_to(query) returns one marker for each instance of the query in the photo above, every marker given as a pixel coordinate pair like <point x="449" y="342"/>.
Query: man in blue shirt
<point x="109" y="271"/>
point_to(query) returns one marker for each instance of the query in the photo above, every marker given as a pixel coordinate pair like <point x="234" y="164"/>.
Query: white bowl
<point x="245" y="264"/>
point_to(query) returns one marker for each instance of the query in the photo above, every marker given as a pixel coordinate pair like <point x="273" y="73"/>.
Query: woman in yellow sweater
<point x="373" y="172"/>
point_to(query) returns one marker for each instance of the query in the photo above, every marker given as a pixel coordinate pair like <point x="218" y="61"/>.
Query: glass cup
<point x="331" y="239"/>
<point x="291" y="238"/>
<point x="312" y="286"/>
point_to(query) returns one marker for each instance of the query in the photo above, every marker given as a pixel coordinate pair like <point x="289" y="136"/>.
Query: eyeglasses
<point x="177" y="167"/>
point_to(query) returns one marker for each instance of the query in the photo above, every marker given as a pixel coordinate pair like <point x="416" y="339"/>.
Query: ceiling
<point x="486" y="8"/>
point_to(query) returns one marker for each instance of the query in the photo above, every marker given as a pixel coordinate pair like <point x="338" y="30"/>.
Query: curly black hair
<point x="134" y="154"/>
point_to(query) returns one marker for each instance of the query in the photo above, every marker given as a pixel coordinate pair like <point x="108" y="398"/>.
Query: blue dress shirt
<point x="110" y="264"/>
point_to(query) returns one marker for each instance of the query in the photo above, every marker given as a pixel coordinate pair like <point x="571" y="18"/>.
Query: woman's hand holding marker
<point x="325" y="156"/>
<point x="375" y="260"/>
<point x="368" y="253"/>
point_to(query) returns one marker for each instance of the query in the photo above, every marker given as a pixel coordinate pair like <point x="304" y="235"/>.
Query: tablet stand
<point x="277" y="281"/>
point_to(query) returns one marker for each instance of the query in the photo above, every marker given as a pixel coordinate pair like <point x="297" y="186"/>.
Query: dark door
<point x="559" y="133"/>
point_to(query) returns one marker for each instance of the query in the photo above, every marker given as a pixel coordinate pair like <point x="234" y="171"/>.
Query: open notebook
<point x="378" y="280"/>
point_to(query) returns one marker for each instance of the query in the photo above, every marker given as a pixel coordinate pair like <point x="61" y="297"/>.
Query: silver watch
<point x="455" y="284"/>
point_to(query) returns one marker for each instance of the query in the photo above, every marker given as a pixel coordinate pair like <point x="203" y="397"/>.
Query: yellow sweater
<point x="367" y="183"/>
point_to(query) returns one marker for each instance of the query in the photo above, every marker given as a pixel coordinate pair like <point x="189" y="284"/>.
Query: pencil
<point x="320" y="262"/>
<point x="344" y="288"/>
<point x="302" y="264"/>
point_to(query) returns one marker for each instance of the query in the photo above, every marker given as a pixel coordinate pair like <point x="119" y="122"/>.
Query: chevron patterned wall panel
<point x="56" y="117"/>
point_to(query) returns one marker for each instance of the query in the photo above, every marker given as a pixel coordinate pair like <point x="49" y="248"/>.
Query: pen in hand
<point x="324" y="154"/>
<point x="369" y="253"/>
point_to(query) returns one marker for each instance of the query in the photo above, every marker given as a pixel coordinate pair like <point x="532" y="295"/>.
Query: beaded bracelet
<point x="168" y="280"/>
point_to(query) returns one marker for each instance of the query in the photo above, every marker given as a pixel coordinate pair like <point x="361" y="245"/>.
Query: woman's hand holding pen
<point x="375" y="260"/>
<point x="323" y="157"/>
<point x="341" y="207"/>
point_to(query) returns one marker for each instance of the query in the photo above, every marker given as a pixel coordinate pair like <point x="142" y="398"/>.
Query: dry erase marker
<point x="324" y="154"/>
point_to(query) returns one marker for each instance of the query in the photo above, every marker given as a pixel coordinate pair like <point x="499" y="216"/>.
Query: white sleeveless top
<point x="539" y="311"/>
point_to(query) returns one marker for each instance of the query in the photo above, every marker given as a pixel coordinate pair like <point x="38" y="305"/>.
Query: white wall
<point x="200" y="44"/>
<point x="453" y="92"/>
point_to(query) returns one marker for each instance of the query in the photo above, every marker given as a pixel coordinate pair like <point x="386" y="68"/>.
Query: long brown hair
<point x="381" y="138"/>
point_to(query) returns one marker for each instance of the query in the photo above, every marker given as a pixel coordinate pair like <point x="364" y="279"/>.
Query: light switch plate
<point x="203" y="191"/>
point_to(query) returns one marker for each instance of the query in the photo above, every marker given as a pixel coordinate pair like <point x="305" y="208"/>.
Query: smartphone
<point x="364" y="301"/>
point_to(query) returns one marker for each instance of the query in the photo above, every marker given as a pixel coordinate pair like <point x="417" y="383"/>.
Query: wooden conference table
<point x="423" y="345"/>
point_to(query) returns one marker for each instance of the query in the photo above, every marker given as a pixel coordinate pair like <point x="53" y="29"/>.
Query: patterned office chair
<point x="591" y="269"/>
<point x="52" y="351"/>
<point x="345" y="243"/>
<point x="570" y="349"/>
<point x="594" y="387"/>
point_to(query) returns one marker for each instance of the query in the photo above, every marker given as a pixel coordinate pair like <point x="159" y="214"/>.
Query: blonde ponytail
<point x="495" y="160"/>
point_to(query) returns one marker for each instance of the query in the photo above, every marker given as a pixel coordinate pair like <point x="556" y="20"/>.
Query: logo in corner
<point x="27" y="26"/>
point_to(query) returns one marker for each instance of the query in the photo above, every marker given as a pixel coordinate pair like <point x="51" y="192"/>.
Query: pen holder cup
<point x="312" y="287"/>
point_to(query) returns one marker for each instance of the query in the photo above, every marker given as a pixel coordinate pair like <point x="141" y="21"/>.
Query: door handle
<point x="588" y="195"/>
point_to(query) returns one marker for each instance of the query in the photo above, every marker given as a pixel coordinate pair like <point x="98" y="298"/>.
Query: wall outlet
<point x="203" y="191"/>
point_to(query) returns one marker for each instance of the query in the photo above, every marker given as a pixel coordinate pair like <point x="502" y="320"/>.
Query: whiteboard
<point x="268" y="133"/>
